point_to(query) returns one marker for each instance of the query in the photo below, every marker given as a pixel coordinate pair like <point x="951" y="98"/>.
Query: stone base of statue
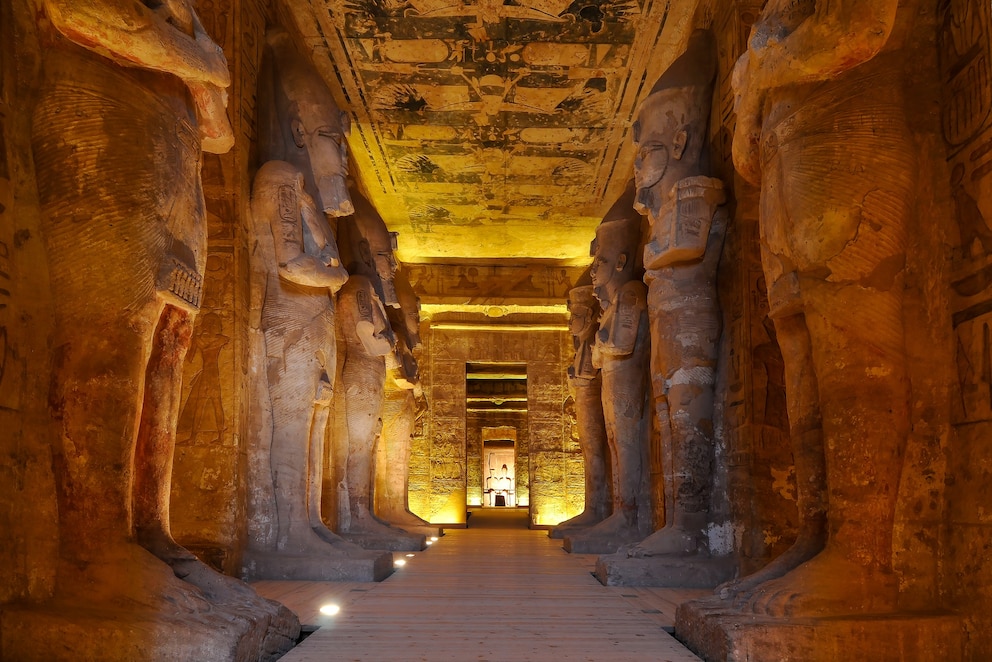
<point x="716" y="630"/>
<point x="589" y="542"/>
<point x="57" y="632"/>
<point x="400" y="541"/>
<point x="411" y="523"/>
<point x="428" y="531"/>
<point x="360" y="565"/>
<point x="672" y="571"/>
<point x="575" y="526"/>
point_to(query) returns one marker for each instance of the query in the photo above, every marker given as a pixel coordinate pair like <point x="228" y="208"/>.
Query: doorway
<point x="498" y="471"/>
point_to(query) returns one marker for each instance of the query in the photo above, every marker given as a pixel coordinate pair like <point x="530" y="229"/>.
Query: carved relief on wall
<point x="489" y="113"/>
<point x="12" y="364"/>
<point x="965" y="51"/>
<point x="202" y="413"/>
<point x="965" y="56"/>
<point x="441" y="283"/>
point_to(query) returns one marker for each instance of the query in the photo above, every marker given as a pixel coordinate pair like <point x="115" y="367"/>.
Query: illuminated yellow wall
<point x="549" y="467"/>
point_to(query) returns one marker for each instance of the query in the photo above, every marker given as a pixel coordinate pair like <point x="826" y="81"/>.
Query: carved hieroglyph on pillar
<point x="681" y="203"/>
<point x="403" y="402"/>
<point x="821" y="126"/>
<point x="367" y="339"/>
<point x="622" y="353"/>
<point x="123" y="219"/>
<point x="964" y="45"/>
<point x="298" y="270"/>
<point x="586" y="384"/>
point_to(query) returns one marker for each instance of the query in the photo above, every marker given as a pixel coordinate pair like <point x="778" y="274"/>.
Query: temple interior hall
<point x="495" y="330"/>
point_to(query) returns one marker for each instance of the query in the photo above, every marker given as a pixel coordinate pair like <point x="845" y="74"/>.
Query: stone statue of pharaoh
<point x="297" y="255"/>
<point x="681" y="203"/>
<point x="368" y="339"/>
<point x="402" y="399"/>
<point x="124" y="223"/>
<point x="621" y="352"/>
<point x="586" y="384"/>
<point x="821" y="128"/>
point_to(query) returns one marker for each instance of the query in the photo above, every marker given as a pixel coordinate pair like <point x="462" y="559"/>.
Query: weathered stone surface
<point x="297" y="272"/>
<point x="678" y="571"/>
<point x="717" y="631"/>
<point x="621" y="352"/>
<point x="682" y="204"/>
<point x="587" y="403"/>
<point x="122" y="336"/>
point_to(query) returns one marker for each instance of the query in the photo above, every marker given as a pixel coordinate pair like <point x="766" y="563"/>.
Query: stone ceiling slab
<point x="492" y="129"/>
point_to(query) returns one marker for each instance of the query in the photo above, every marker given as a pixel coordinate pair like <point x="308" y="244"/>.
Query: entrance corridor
<point x="494" y="592"/>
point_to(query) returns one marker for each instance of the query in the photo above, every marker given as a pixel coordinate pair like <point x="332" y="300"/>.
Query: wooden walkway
<point x="486" y="593"/>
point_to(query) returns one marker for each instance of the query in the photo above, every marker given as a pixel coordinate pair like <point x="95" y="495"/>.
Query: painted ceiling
<point x="488" y="130"/>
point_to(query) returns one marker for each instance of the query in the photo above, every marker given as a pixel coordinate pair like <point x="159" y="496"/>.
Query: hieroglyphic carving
<point x="965" y="50"/>
<point x="12" y="365"/>
<point x="438" y="283"/>
<point x="966" y="58"/>
<point x="474" y="114"/>
<point x="203" y="410"/>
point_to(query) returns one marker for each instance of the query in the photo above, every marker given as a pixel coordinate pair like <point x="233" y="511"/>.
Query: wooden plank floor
<point x="485" y="593"/>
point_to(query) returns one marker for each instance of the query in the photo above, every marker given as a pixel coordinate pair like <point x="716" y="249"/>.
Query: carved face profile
<point x="409" y="309"/>
<point x="382" y="245"/>
<point x="371" y="247"/>
<point x="583" y="311"/>
<point x="670" y="129"/>
<point x="660" y="135"/>
<point x="609" y="262"/>
<point x="616" y="249"/>
<point x="321" y="134"/>
<point x="314" y="128"/>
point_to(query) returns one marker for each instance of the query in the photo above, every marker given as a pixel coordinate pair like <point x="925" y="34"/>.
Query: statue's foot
<point x="583" y="520"/>
<point x="129" y="577"/>
<point x="326" y="542"/>
<point x="807" y="545"/>
<point x="217" y="587"/>
<point x="827" y="585"/>
<point x="615" y="526"/>
<point x="373" y="526"/>
<point x="406" y="518"/>
<point x="669" y="541"/>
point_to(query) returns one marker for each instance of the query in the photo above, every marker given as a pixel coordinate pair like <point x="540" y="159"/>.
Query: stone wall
<point x="439" y="466"/>
<point x="28" y="529"/>
<point x="964" y="50"/>
<point x="209" y="479"/>
<point x="753" y="464"/>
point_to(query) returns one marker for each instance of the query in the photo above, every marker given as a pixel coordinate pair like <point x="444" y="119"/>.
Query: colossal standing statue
<point x="586" y="384"/>
<point x="680" y="201"/>
<point x="131" y="94"/>
<point x="621" y="352"/>
<point x="368" y="339"/>
<point x="821" y="128"/>
<point x="298" y="272"/>
<point x="402" y="403"/>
